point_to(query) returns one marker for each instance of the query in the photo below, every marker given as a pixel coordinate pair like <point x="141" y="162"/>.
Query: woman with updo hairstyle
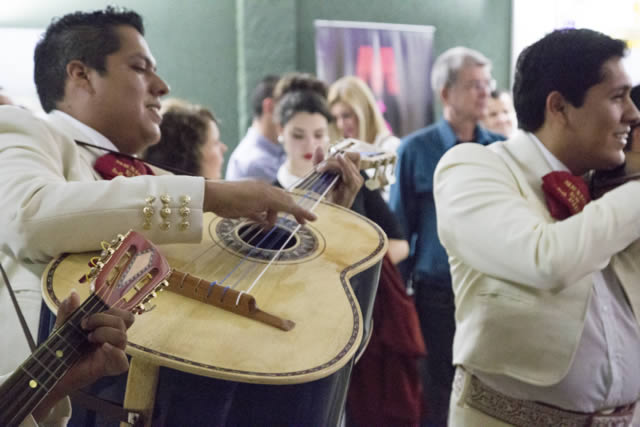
<point x="190" y="140"/>
<point x="357" y="114"/>
<point x="303" y="118"/>
<point x="303" y="121"/>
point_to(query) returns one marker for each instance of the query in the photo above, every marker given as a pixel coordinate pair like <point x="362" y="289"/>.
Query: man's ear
<point x="444" y="94"/>
<point x="79" y="75"/>
<point x="556" y="107"/>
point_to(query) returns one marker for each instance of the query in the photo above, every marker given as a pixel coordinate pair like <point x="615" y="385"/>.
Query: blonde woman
<point x="357" y="114"/>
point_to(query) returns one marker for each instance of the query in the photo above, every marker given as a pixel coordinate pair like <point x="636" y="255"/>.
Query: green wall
<point x="214" y="51"/>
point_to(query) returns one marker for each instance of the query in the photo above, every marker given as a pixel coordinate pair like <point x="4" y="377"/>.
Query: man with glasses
<point x="462" y="79"/>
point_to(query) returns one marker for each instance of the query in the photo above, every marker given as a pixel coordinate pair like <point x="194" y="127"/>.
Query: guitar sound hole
<point x="239" y="237"/>
<point x="273" y="239"/>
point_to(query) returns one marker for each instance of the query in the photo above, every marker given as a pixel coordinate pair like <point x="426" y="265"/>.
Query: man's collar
<point x="555" y="163"/>
<point x="95" y="137"/>
<point x="447" y="134"/>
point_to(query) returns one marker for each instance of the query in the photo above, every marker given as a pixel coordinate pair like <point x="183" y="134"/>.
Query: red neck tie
<point x="566" y="194"/>
<point x="111" y="165"/>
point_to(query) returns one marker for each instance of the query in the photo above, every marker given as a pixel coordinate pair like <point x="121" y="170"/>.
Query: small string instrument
<point x="383" y="163"/>
<point x="253" y="305"/>
<point x="126" y="276"/>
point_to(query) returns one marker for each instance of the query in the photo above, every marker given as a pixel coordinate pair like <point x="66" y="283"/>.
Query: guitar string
<point x="249" y="254"/>
<point x="273" y="242"/>
<point x="233" y="229"/>
<point x="335" y="179"/>
<point x="256" y="228"/>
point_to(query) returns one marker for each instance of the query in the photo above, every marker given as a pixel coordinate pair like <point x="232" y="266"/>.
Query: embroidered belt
<point x="521" y="413"/>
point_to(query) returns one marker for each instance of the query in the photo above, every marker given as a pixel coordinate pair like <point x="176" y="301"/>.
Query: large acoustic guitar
<point x="253" y="305"/>
<point x="129" y="271"/>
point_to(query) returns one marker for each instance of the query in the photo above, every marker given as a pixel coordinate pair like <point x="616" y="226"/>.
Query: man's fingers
<point x="67" y="306"/>
<point x="113" y="336"/>
<point x="112" y="318"/>
<point x="289" y="205"/>
<point x="318" y="156"/>
<point x="272" y="217"/>
<point x="116" y="360"/>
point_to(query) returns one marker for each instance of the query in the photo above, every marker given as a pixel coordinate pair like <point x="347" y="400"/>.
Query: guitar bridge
<point x="223" y="297"/>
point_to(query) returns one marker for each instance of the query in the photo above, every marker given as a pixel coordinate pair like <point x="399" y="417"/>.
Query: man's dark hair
<point x="568" y="61"/>
<point x="263" y="90"/>
<point x="85" y="36"/>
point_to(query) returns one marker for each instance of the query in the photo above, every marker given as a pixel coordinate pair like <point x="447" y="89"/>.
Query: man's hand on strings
<point x="108" y="334"/>
<point x="252" y="199"/>
<point x="347" y="165"/>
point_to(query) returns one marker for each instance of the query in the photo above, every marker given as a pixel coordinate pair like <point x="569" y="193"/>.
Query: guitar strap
<point x="110" y="410"/>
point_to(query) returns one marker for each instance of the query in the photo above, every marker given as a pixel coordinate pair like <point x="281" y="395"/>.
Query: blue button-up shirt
<point x="255" y="157"/>
<point x="412" y="201"/>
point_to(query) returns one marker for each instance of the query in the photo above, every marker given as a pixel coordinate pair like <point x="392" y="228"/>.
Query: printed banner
<point x="394" y="60"/>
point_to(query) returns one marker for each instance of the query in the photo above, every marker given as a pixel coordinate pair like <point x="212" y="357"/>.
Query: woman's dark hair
<point x="84" y="36"/>
<point x="184" y="130"/>
<point x="568" y="61"/>
<point x="300" y="92"/>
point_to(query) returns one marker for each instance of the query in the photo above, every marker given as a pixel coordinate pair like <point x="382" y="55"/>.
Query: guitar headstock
<point x="128" y="271"/>
<point x="371" y="157"/>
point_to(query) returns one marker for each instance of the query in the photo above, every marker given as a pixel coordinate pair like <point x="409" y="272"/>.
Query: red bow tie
<point x="566" y="194"/>
<point x="112" y="165"/>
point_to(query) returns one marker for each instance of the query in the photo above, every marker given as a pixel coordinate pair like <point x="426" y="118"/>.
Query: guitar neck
<point x="21" y="393"/>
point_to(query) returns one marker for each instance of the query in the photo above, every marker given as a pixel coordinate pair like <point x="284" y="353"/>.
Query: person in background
<point x="357" y="116"/>
<point x="258" y="155"/>
<point x="500" y="117"/>
<point x="303" y="120"/>
<point x="461" y="78"/>
<point x="189" y="141"/>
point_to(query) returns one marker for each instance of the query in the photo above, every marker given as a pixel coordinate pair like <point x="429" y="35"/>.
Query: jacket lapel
<point x="528" y="164"/>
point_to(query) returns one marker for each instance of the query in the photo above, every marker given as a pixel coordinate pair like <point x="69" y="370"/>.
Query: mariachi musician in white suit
<point x="546" y="283"/>
<point x="96" y="77"/>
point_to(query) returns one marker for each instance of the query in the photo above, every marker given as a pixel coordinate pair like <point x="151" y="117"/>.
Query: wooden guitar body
<point x="308" y="285"/>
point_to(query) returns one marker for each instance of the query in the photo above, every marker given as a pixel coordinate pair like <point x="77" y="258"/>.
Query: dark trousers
<point x="436" y="310"/>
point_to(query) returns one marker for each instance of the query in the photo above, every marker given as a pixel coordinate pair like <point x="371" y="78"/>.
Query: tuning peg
<point x="372" y="184"/>
<point x="140" y="308"/>
<point x="164" y="283"/>
<point x="383" y="179"/>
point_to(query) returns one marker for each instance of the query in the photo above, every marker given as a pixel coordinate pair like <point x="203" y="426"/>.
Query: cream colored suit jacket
<point x="52" y="201"/>
<point x="522" y="280"/>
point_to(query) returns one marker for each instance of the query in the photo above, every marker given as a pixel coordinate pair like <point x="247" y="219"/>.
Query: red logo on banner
<point x="378" y="79"/>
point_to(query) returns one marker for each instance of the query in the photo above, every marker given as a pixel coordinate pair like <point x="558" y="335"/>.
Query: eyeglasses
<point x="478" y="85"/>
